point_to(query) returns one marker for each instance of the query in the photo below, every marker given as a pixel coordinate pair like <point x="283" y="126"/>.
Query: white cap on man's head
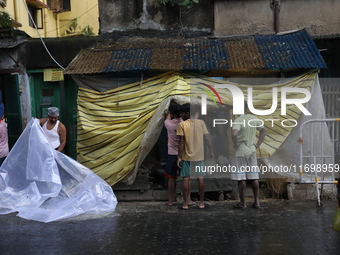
<point x="53" y="111"/>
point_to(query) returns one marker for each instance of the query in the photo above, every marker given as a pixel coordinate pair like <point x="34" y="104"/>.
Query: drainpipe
<point x="58" y="26"/>
<point x="45" y="22"/>
<point x="277" y="5"/>
<point x="215" y="19"/>
<point x="16" y="14"/>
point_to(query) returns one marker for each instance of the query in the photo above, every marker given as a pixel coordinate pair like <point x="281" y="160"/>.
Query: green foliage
<point x="186" y="3"/>
<point x="5" y="20"/>
<point x="74" y="24"/>
<point x="87" y="30"/>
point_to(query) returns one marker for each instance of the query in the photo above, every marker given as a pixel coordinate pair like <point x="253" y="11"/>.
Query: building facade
<point x="25" y="59"/>
<point x="53" y="18"/>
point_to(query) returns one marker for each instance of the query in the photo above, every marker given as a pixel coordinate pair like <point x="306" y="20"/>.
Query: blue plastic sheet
<point x="45" y="185"/>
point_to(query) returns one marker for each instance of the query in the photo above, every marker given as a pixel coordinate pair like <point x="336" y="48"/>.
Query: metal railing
<point x="319" y="163"/>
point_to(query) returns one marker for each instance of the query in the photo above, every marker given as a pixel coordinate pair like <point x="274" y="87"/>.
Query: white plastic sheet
<point x="45" y="185"/>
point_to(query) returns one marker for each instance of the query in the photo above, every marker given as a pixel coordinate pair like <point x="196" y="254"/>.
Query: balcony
<point x="36" y="4"/>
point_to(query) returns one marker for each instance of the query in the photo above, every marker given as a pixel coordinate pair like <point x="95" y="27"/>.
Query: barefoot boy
<point x="171" y="123"/>
<point x="192" y="134"/>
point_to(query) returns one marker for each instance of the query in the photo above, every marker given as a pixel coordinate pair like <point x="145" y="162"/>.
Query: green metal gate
<point x="61" y="94"/>
<point x="11" y="98"/>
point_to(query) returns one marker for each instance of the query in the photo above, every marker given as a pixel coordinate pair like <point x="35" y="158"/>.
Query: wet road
<point x="279" y="227"/>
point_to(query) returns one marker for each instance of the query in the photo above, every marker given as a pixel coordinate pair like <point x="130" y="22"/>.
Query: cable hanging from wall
<point x="35" y="26"/>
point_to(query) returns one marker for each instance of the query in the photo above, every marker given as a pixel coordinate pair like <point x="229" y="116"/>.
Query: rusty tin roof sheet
<point x="293" y="50"/>
<point x="8" y="44"/>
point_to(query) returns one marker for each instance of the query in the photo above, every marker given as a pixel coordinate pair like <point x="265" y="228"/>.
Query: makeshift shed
<point x="119" y="122"/>
<point x="119" y="127"/>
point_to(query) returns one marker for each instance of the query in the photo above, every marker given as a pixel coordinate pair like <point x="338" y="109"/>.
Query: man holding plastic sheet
<point x="34" y="179"/>
<point x="54" y="129"/>
<point x="245" y="161"/>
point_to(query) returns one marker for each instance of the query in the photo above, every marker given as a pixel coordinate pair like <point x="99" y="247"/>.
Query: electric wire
<point x="35" y="26"/>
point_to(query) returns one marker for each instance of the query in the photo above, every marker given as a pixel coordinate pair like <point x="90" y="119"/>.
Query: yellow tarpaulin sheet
<point x="112" y="124"/>
<point x="262" y="100"/>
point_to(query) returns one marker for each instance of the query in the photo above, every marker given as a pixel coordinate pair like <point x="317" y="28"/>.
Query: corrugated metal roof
<point x="7" y="44"/>
<point x="244" y="54"/>
<point x="294" y="50"/>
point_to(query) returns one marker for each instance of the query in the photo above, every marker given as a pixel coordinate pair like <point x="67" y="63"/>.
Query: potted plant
<point x="5" y="20"/>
